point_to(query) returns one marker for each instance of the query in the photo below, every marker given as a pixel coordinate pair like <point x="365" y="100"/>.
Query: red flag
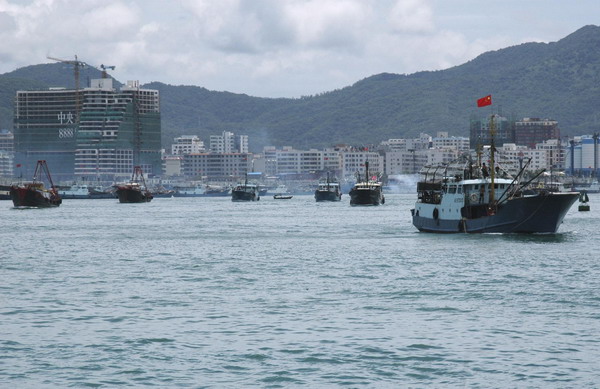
<point x="482" y="102"/>
<point x="18" y="165"/>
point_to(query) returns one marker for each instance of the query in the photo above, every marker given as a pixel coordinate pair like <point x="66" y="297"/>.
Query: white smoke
<point x="402" y="183"/>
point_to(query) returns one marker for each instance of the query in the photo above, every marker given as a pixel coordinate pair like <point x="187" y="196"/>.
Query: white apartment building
<point x="353" y="162"/>
<point x="187" y="144"/>
<point x="289" y="160"/>
<point x="404" y="161"/>
<point x="217" y="166"/>
<point x="452" y="142"/>
<point x="172" y="165"/>
<point x="228" y="142"/>
<point x="509" y="156"/>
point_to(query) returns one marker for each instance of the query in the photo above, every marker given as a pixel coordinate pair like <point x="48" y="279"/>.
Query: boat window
<point x="452" y="189"/>
<point x="459" y="190"/>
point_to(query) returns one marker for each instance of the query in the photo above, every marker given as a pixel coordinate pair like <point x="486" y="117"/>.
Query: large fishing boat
<point x="328" y="190"/>
<point x="467" y="197"/>
<point x="136" y="190"/>
<point x="367" y="192"/>
<point x="34" y="194"/>
<point x="245" y="192"/>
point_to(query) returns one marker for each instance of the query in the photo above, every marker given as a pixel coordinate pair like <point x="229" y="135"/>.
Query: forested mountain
<point x="559" y="80"/>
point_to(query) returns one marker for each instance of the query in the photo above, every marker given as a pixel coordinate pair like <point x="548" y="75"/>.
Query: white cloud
<point x="411" y="16"/>
<point x="271" y="47"/>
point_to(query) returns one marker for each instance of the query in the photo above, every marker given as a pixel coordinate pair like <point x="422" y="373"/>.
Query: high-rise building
<point x="480" y="132"/>
<point x="98" y="132"/>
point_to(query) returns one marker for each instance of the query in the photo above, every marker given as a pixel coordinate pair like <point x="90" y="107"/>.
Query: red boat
<point x="136" y="190"/>
<point x="34" y="194"/>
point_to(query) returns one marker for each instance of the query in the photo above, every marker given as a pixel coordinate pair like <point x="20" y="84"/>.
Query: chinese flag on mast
<point x="482" y="102"/>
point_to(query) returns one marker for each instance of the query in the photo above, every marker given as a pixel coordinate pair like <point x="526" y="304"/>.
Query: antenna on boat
<point x="492" y="162"/>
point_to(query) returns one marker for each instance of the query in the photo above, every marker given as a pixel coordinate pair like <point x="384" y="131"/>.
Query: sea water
<point x="207" y="293"/>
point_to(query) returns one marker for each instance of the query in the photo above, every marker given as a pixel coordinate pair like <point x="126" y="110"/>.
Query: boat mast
<point x="492" y="166"/>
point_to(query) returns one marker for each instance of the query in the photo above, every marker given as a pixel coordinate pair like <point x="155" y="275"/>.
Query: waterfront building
<point x="512" y="157"/>
<point x="294" y="161"/>
<point x="531" y="131"/>
<point x="96" y="132"/>
<point x="6" y="153"/>
<point x="172" y="165"/>
<point x="582" y="156"/>
<point x="404" y="161"/>
<point x="187" y="144"/>
<point x="216" y="166"/>
<point x="353" y="162"/>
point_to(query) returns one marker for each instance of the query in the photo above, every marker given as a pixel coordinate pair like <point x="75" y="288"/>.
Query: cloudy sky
<point x="276" y="48"/>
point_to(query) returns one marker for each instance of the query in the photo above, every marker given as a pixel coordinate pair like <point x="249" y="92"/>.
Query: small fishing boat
<point x="35" y="194"/>
<point x="245" y="192"/>
<point x="282" y="193"/>
<point x="367" y="192"/>
<point x="328" y="190"/>
<point x="136" y="190"/>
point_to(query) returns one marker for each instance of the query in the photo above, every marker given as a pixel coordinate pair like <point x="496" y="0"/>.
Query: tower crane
<point x="77" y="64"/>
<point x="104" y="67"/>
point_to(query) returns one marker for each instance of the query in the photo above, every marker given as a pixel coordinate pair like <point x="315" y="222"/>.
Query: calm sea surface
<point x="203" y="292"/>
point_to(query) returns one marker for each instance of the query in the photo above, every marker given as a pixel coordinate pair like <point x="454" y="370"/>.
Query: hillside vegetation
<point x="559" y="80"/>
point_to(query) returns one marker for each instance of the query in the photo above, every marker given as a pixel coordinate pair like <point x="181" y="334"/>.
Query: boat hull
<point x="541" y="213"/>
<point x="29" y="197"/>
<point x="239" y="195"/>
<point x="129" y="195"/>
<point x="324" y="195"/>
<point x="366" y="197"/>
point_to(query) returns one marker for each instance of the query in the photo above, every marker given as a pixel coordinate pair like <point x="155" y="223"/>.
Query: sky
<point x="276" y="48"/>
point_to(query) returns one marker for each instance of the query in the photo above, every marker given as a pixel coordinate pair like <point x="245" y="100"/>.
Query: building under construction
<point x="94" y="133"/>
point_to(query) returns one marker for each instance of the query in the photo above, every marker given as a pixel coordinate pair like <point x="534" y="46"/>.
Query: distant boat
<point x="281" y="193"/>
<point x="190" y="191"/>
<point x="136" y="190"/>
<point x="34" y="194"/>
<point x="216" y="191"/>
<point x="83" y="191"/>
<point x="245" y="192"/>
<point x="588" y="187"/>
<point x="367" y="192"/>
<point x="4" y="192"/>
<point x="328" y="190"/>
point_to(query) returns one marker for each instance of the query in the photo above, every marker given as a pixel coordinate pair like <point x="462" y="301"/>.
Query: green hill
<point x="559" y="80"/>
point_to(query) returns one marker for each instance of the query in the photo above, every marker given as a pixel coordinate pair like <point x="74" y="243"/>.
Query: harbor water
<point x="208" y="293"/>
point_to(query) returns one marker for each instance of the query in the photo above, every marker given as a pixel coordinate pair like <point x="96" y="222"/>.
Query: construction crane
<point x="77" y="64"/>
<point x="103" y="67"/>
